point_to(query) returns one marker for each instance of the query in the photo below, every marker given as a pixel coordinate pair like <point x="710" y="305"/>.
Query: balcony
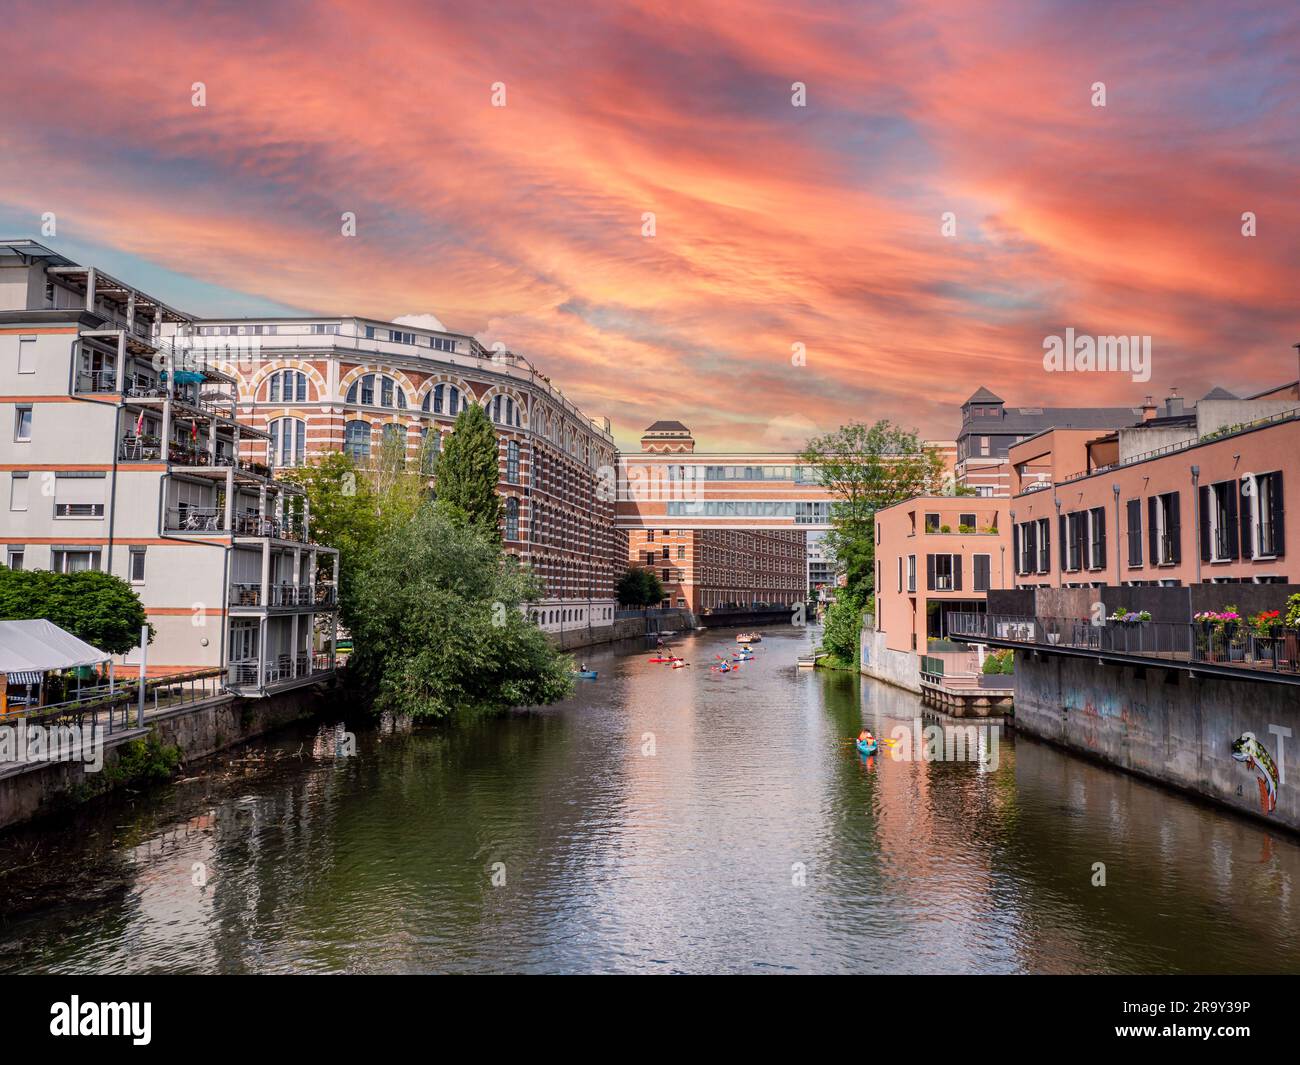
<point x="195" y="520"/>
<point x="1220" y="649"/>
<point x="275" y="528"/>
<point x="283" y="671"/>
<point x="284" y="595"/>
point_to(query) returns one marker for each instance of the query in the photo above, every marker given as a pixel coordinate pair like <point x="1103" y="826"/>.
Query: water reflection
<point x="662" y="820"/>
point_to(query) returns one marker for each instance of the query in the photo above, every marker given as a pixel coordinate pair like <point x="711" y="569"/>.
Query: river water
<point x="660" y="821"/>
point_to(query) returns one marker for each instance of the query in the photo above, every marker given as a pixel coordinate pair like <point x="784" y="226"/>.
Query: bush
<point x="843" y="628"/>
<point x="1000" y="662"/>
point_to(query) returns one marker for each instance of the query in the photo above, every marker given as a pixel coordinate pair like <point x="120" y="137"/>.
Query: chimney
<point x="1148" y="409"/>
<point x="1174" y="404"/>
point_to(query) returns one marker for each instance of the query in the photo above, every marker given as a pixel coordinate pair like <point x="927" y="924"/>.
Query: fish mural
<point x="1249" y="750"/>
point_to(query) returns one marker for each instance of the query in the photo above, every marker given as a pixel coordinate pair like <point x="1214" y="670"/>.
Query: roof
<point x="1219" y="393"/>
<point x="668" y="427"/>
<point x="39" y="645"/>
<point x="1028" y="421"/>
<point x="983" y="395"/>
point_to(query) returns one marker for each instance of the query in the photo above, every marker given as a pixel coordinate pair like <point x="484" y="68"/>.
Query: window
<point x="966" y="519"/>
<point x="1263" y="531"/>
<point x="911" y="573"/>
<point x="430" y="447"/>
<point x="1219" y="529"/>
<point x="288" y="442"/>
<point x="943" y="573"/>
<point x="15" y="555"/>
<point x="667" y="577"/>
<point x="981" y="565"/>
<point x="1164" y="534"/>
<point x="79" y="495"/>
<point x="74" y="560"/>
<point x="393" y="445"/>
<point x="137" y="565"/>
<point x="22" y="423"/>
<point x="287" y="386"/>
<point x="442" y="344"/>
<point x="932" y="523"/>
<point x="649" y="536"/>
<point x="681" y="551"/>
<point x="512" y="518"/>
<point x="18" y="484"/>
<point x="356" y="441"/>
<point x="1097" y="538"/>
<point x="1133" y="513"/>
<point x="27" y="354"/>
<point x="512" y="462"/>
<point x="667" y="549"/>
<point x="324" y="327"/>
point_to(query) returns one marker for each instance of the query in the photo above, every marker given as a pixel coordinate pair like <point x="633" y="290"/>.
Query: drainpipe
<point x="1196" y="528"/>
<point x="1118" y="571"/>
<point x="1060" y="570"/>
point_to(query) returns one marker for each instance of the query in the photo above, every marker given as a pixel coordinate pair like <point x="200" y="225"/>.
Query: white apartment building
<point x="314" y="385"/>
<point x="122" y="453"/>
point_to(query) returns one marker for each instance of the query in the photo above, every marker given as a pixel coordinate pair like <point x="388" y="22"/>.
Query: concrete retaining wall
<point x="901" y="668"/>
<point x="199" y="730"/>
<point x="621" y="629"/>
<point x="1167" y="726"/>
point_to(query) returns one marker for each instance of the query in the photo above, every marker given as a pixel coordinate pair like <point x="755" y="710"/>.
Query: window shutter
<point x="1134" y="508"/>
<point x="1246" y="518"/>
<point x="1015" y="546"/>
<point x="1175" y="526"/>
<point x="1279" y="527"/>
<point x="1204" y="492"/>
<point x="1045" y="560"/>
<point x="1101" y="538"/>
<point x="1065" y="559"/>
<point x="1153" y="540"/>
<point x="929" y="573"/>
<point x="1233" y="540"/>
<point x="956" y="572"/>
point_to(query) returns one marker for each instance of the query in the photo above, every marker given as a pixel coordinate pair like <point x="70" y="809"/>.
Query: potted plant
<point x="1214" y="638"/>
<point x="1291" y="632"/>
<point x="1263" y="628"/>
<point x="945" y="528"/>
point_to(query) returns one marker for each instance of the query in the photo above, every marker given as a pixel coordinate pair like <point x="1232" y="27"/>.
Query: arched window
<point x="356" y="440"/>
<point x="444" y="399"/>
<point x="512" y="518"/>
<point x="288" y="442"/>
<point x="287" y="386"/>
<point x="512" y="462"/>
<point x="365" y="389"/>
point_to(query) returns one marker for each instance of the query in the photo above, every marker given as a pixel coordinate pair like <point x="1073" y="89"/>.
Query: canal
<point x="660" y="821"/>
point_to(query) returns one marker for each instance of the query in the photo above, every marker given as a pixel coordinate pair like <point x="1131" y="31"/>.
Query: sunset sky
<point x="775" y="224"/>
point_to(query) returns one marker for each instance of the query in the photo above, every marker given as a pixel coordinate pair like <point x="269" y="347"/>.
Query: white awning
<point x="39" y="645"/>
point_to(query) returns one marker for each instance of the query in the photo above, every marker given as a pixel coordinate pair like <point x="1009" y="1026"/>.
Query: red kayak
<point x="665" y="660"/>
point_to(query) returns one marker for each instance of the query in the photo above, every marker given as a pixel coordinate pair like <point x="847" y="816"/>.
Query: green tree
<point x="843" y="627"/>
<point x="465" y="475"/>
<point x="96" y="607"/>
<point x="867" y="468"/>
<point x="639" y="587"/>
<point x="439" y="625"/>
<point x="352" y="505"/>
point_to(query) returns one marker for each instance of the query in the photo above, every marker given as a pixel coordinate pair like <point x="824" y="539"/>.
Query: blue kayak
<point x="865" y="748"/>
<point x="586" y="674"/>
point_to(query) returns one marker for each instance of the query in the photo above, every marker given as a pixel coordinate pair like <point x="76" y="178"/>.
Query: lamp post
<point x="1115" y="488"/>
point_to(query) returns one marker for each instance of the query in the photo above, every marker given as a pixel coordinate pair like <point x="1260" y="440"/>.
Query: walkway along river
<point x="660" y="821"/>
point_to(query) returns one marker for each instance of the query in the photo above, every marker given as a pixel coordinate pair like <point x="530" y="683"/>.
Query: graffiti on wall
<point x="1249" y="750"/>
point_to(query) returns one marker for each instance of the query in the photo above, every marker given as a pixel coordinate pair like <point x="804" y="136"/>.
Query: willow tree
<point x="466" y="477"/>
<point x="867" y="468"/>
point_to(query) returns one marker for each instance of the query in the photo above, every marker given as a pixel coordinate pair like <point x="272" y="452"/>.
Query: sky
<point x="761" y="219"/>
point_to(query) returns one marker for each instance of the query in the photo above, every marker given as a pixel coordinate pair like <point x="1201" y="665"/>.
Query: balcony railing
<point x="280" y="670"/>
<point x="195" y="519"/>
<point x="284" y="595"/>
<point x="1187" y="642"/>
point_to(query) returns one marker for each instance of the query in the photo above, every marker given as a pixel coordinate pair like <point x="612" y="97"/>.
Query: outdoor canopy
<point x="39" y="645"/>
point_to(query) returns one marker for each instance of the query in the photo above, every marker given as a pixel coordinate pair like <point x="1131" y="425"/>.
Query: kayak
<point x="665" y="660"/>
<point x="586" y="674"/>
<point x="865" y="748"/>
<point x="680" y="665"/>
